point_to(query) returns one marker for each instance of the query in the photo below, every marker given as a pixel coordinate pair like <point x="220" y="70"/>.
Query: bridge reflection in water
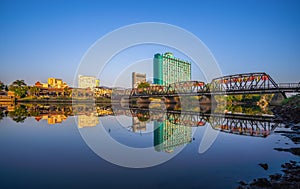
<point x="172" y="128"/>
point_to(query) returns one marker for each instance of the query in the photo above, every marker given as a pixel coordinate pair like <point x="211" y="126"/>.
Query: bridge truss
<point x="247" y="83"/>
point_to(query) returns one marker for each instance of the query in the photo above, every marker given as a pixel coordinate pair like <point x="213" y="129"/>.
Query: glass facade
<point x="167" y="69"/>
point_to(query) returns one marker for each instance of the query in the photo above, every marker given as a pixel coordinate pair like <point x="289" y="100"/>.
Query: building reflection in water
<point x="137" y="125"/>
<point x="168" y="136"/>
<point x="171" y="129"/>
<point x="87" y="121"/>
<point x="52" y="119"/>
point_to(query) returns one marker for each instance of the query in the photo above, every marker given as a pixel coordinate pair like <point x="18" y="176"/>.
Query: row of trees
<point x="19" y="87"/>
<point x="22" y="90"/>
<point x="243" y="98"/>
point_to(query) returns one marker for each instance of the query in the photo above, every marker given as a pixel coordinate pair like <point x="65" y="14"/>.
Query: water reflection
<point x="169" y="135"/>
<point x="242" y="120"/>
<point x="242" y="132"/>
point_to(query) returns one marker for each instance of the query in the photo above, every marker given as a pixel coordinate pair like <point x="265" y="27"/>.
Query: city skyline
<point x="48" y="39"/>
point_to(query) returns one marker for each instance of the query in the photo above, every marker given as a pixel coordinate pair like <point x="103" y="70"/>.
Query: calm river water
<point x="64" y="146"/>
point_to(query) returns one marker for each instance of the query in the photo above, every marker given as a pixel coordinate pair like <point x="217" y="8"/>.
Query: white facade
<point x="87" y="82"/>
<point x="137" y="78"/>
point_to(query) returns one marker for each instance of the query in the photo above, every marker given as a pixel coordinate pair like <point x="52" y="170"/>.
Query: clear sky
<point x="41" y="39"/>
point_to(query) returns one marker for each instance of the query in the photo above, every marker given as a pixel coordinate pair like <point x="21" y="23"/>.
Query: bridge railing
<point x="289" y="85"/>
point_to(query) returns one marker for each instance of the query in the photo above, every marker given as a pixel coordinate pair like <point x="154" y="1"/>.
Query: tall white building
<point x="87" y="82"/>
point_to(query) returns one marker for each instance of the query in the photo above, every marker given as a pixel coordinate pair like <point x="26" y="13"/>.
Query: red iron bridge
<point x="247" y="83"/>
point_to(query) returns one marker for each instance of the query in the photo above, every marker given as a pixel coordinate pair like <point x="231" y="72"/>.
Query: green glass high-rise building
<point x="167" y="69"/>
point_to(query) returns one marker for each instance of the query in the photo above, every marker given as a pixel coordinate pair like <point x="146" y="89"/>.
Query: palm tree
<point x="19" y="87"/>
<point x="19" y="83"/>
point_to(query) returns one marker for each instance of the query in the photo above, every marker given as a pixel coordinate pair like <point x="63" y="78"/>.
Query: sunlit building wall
<point x="102" y="92"/>
<point x="88" y="82"/>
<point x="56" y="83"/>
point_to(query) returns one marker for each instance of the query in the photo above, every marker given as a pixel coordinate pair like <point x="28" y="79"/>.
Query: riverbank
<point x="288" y="111"/>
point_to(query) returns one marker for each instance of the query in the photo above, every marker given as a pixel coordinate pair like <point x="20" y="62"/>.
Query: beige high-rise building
<point x="137" y="78"/>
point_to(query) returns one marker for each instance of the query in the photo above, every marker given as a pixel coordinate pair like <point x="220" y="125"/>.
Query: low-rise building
<point x="56" y="83"/>
<point x="102" y="92"/>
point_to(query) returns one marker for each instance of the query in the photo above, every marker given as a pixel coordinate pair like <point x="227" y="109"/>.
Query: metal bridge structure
<point x="247" y="83"/>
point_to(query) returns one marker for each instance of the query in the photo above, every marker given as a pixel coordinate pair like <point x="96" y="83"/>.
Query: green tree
<point x="238" y="109"/>
<point x="20" y="114"/>
<point x="20" y="91"/>
<point x="19" y="87"/>
<point x="34" y="91"/>
<point x="2" y="114"/>
<point x="2" y="86"/>
<point x="19" y="83"/>
<point x="238" y="98"/>
<point x="143" y="85"/>
<point x="67" y="92"/>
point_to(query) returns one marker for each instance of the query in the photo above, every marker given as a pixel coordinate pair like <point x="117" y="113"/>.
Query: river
<point x="103" y="146"/>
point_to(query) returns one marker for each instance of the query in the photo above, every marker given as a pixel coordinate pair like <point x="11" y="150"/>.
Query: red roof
<point x="38" y="84"/>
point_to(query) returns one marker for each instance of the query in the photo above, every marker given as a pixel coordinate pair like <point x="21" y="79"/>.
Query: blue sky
<point x="41" y="39"/>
